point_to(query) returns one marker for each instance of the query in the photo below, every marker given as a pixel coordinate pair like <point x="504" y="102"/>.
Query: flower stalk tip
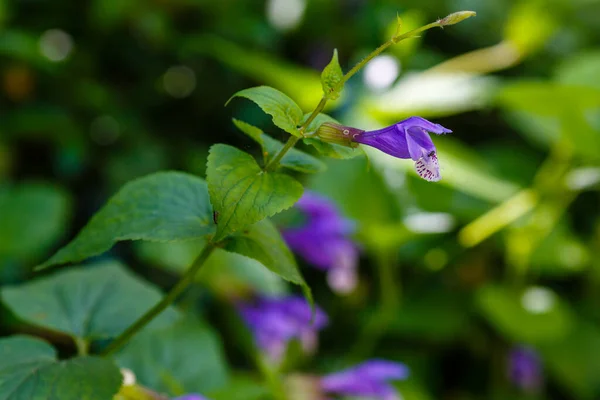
<point x="456" y="17"/>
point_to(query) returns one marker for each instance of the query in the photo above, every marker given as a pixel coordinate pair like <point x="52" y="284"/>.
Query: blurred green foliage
<point x="503" y="251"/>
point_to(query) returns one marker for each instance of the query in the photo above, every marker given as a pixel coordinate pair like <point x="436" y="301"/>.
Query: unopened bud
<point x="456" y="17"/>
<point x="331" y="132"/>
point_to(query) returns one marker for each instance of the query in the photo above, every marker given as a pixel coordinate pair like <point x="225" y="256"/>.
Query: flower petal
<point x="383" y="370"/>
<point x="428" y="168"/>
<point x="390" y="140"/>
<point x="419" y="143"/>
<point x="423" y="124"/>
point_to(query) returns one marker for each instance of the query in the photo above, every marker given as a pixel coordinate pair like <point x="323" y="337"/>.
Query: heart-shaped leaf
<point x="189" y="359"/>
<point x="29" y="370"/>
<point x="95" y="302"/>
<point x="164" y="206"/>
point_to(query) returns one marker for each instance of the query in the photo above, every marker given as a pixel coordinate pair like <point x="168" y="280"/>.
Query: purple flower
<point x="191" y="396"/>
<point x="324" y="241"/>
<point x="369" y="379"/>
<point x="525" y="368"/>
<point x="276" y="321"/>
<point x="408" y="139"/>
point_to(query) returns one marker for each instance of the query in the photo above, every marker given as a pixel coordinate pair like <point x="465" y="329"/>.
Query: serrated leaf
<point x="164" y="206"/>
<point x="293" y="159"/>
<point x="263" y="242"/>
<point x="331" y="77"/>
<point x="29" y="370"/>
<point x="242" y="193"/>
<point x="285" y="112"/>
<point x="95" y="302"/>
<point x="189" y="359"/>
<point x="327" y="149"/>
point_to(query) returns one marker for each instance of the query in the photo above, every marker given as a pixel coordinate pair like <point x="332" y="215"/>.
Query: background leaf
<point x="230" y="275"/>
<point x="29" y="370"/>
<point x="505" y="311"/>
<point x="285" y="112"/>
<point x="32" y="218"/>
<point x="160" y="207"/>
<point x="294" y="159"/>
<point x="95" y="302"/>
<point x="242" y="193"/>
<point x="186" y="357"/>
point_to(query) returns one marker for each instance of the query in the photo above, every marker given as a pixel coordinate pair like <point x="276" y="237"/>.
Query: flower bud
<point x="339" y="134"/>
<point x="456" y="17"/>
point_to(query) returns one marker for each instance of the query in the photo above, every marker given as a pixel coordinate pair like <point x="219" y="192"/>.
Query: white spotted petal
<point x="428" y="167"/>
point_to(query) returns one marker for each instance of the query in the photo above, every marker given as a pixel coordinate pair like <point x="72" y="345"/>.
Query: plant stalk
<point x="185" y="281"/>
<point x="274" y="163"/>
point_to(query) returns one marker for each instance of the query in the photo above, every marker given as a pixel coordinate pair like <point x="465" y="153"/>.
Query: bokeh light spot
<point x="179" y="81"/>
<point x="56" y="44"/>
<point x="429" y="222"/>
<point x="285" y="14"/>
<point x="381" y="72"/>
<point x="538" y="300"/>
<point x="105" y="130"/>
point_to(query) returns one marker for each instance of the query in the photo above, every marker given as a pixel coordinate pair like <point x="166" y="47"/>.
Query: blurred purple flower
<point x="369" y="379"/>
<point x="408" y="139"/>
<point x="324" y="241"/>
<point x="276" y="321"/>
<point x="191" y="396"/>
<point x="525" y="368"/>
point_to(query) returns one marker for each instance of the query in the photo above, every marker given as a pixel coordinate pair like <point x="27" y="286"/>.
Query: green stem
<point x="272" y="377"/>
<point x="272" y="165"/>
<point x="382" y="48"/>
<point x="185" y="281"/>
<point x="388" y="282"/>
<point x="379" y="322"/>
<point x="82" y="345"/>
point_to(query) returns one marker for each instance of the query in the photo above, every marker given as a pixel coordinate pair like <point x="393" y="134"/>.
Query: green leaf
<point x="580" y="69"/>
<point x="188" y="358"/>
<point x="574" y="362"/>
<point x="547" y="98"/>
<point x="293" y="159"/>
<point x="29" y="370"/>
<point x="242" y="193"/>
<point x="164" y="206"/>
<point x="285" y="112"/>
<point x="263" y="242"/>
<point x="505" y="311"/>
<point x="331" y="77"/>
<point x="95" y="302"/>
<point x="328" y="149"/>
<point x="32" y="218"/>
<point x="241" y="387"/>
<point x="228" y="274"/>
